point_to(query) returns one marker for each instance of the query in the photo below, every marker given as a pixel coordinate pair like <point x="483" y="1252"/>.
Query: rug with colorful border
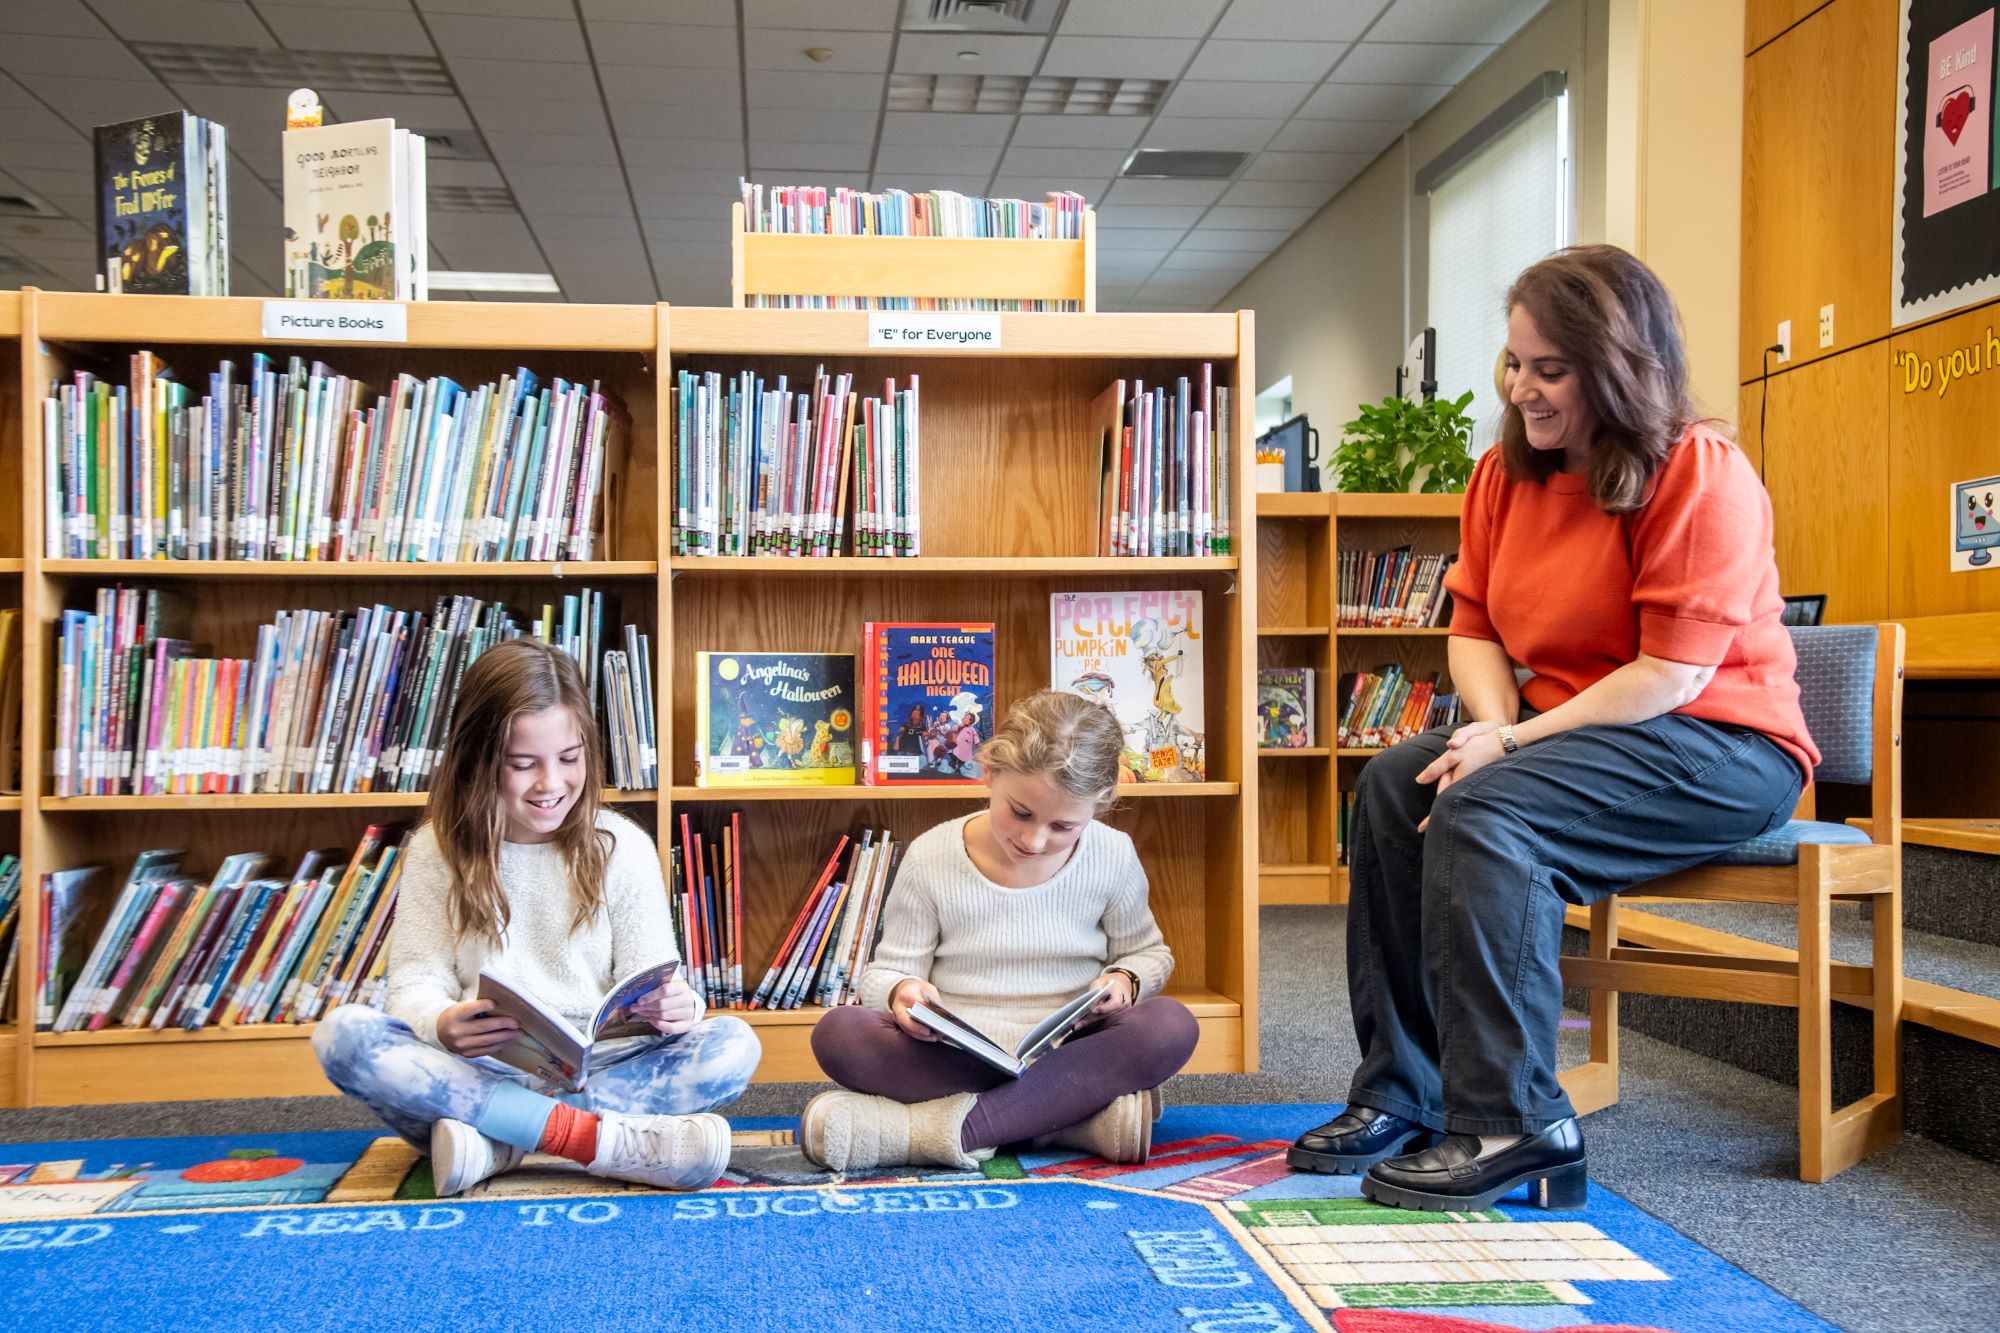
<point x="341" y="1230"/>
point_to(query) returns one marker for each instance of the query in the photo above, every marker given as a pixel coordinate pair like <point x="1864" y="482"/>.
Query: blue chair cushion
<point x="1780" y="847"/>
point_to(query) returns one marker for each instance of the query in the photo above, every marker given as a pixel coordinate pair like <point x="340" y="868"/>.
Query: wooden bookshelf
<point x="1010" y="501"/>
<point x="1300" y="538"/>
<point x="13" y="569"/>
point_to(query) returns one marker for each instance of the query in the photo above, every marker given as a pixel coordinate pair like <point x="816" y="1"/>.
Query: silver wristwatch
<point x="1507" y="742"/>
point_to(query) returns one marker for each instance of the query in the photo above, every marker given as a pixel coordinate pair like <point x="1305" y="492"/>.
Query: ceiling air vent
<point x="1018" y="16"/>
<point x="270" y="67"/>
<point x="1019" y="95"/>
<point x="23" y="206"/>
<point x="469" y="199"/>
<point x="1174" y="164"/>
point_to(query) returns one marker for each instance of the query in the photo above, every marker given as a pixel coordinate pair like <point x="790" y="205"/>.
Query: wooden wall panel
<point x="1935" y="439"/>
<point x="1818" y="163"/>
<point x="1765" y="19"/>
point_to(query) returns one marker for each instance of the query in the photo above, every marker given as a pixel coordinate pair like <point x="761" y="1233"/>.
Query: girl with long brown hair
<point x="517" y="869"/>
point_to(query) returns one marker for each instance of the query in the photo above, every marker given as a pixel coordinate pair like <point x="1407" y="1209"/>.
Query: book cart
<point x="1009" y="496"/>
<point x="1299" y="540"/>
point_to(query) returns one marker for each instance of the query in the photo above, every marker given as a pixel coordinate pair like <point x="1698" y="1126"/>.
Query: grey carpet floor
<point x="1907" y="1242"/>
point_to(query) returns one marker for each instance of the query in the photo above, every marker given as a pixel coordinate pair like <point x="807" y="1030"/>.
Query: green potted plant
<point x="1398" y="446"/>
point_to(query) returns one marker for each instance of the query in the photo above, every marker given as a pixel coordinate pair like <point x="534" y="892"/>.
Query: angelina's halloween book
<point x="774" y="719"/>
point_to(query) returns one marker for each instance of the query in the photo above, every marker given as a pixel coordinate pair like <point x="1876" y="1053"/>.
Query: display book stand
<point x="1299" y="538"/>
<point x="1010" y="501"/>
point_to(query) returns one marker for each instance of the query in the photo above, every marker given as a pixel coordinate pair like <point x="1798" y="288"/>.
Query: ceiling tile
<point x="458" y="35"/>
<point x="1125" y="217"/>
<point x="88" y="102"/>
<point x="706" y="88"/>
<point x="103" y="57"/>
<point x="915" y="127"/>
<point x="1300" y="194"/>
<point x="1230" y="136"/>
<point x="785" y="48"/>
<point x="71" y="154"/>
<point x="209" y="22"/>
<point x="670" y="181"/>
<point x="533" y="177"/>
<point x="1408" y="62"/>
<point x="1259" y="219"/>
<point x="1037" y="187"/>
<point x="891" y="180"/>
<point x="1259" y="242"/>
<point x="1078" y="131"/>
<point x="792" y="88"/>
<point x="615" y="229"/>
<point x="709" y="204"/>
<point x="856" y="15"/>
<point x="706" y="13"/>
<point x="1102" y="162"/>
<point x="502" y="9"/>
<point x="1193" y="100"/>
<point x="1265" y="62"/>
<point x="1205" y="266"/>
<point x="1306" y="20"/>
<point x="1337" y="136"/>
<point x="714" y="120"/>
<point x="524" y="78"/>
<point x="1306" y="166"/>
<point x="1117" y="57"/>
<point x="499" y="114"/>
<point x="411" y="111"/>
<point x="444" y="171"/>
<point x="595" y="149"/>
<point x="1141" y="18"/>
<point x="1372" y="101"/>
<point x="387" y="31"/>
<point x="1125" y="240"/>
<point x="1126" y="191"/>
<point x="650" y="155"/>
<point x="957" y="159"/>
<point x="538" y="201"/>
<point x="938" y="53"/>
<point x="679" y="229"/>
<point x="49" y="18"/>
<point x="766" y="158"/>
<point x="800" y="125"/>
<point x="661" y="46"/>
<point x="1121" y="254"/>
<point x="1484" y="21"/>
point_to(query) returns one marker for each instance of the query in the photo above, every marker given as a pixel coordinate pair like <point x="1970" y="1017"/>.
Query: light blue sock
<point x="515" y="1115"/>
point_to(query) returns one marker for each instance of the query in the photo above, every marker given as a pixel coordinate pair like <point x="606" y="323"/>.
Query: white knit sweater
<point x="1005" y="958"/>
<point x="571" y="973"/>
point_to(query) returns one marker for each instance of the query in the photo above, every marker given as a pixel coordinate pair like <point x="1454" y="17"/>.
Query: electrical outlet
<point x="1826" y="326"/>
<point x="1784" y="341"/>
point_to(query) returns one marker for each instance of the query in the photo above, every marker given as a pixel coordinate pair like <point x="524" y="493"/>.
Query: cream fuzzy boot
<point x="851" y="1131"/>
<point x="1121" y="1132"/>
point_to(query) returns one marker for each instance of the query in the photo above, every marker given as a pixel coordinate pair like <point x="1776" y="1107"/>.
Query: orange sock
<point x="570" y="1133"/>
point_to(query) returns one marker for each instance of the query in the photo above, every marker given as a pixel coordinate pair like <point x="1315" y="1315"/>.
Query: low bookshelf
<point x="1300" y="538"/>
<point x="1008" y="492"/>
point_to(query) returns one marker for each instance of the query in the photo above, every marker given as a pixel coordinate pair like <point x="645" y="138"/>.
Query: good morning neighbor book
<point x="1140" y="655"/>
<point x="955" y="1031"/>
<point x="926" y="702"/>
<point x="551" y="1048"/>
<point x="355" y="218"/>
<point x="774" y="719"/>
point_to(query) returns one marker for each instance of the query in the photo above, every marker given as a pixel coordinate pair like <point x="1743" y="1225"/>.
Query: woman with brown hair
<point x="1620" y="550"/>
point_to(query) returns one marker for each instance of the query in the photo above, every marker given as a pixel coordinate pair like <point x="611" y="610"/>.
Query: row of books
<point x="705" y="893"/>
<point x="300" y="462"/>
<point x="1164" y="467"/>
<point x="163" y="205"/>
<point x="1286" y="708"/>
<point x="239" y="948"/>
<point x="1387" y="706"/>
<point x="832" y="936"/>
<point x="10" y="933"/>
<point x="1393" y="589"/>
<point x="763" y="469"/>
<point x="331" y="701"/>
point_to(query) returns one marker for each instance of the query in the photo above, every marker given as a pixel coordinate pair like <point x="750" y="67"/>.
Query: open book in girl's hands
<point x="551" y="1048"/>
<point x="957" y="1032"/>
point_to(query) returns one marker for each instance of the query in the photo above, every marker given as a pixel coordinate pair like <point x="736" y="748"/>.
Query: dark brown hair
<point x="1611" y="318"/>
<point x="508" y="680"/>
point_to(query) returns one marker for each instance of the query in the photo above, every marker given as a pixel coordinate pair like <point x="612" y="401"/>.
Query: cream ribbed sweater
<point x="1005" y="958"/>
<point x="572" y="973"/>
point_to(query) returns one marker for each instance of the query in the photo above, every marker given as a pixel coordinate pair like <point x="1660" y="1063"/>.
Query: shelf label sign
<point x="934" y="332"/>
<point x="338" y="321"/>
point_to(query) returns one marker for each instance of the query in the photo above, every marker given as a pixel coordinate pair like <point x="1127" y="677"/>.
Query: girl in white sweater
<point x="1001" y="916"/>
<point x="517" y="869"/>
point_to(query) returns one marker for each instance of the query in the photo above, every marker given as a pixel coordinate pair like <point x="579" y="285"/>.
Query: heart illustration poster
<point x="1946" y="240"/>
<point x="1958" y="141"/>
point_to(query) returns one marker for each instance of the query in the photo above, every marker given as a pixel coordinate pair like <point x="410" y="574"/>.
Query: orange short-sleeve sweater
<point x="1573" y="593"/>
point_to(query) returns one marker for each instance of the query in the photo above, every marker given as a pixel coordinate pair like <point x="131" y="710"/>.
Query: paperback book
<point x="555" y="1050"/>
<point x="1140" y="655"/>
<point x="833" y="935"/>
<point x="1394" y="589"/>
<point x="1164" y="467"/>
<point x="955" y="1031"/>
<point x="1285" y="708"/>
<point x="163" y="206"/>
<point x="355" y="218"/>
<point x="705" y="895"/>
<point x="927" y="701"/>
<point x="774" y="719"/>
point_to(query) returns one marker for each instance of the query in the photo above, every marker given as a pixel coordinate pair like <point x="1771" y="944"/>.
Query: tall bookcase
<point x="12" y="422"/>
<point x="1299" y="540"/>
<point x="1009" y="496"/>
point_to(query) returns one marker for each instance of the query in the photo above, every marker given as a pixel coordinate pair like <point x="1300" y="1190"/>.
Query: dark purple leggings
<point x="1134" y="1049"/>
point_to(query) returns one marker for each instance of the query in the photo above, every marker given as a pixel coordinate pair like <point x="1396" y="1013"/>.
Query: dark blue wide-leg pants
<point x="1454" y="934"/>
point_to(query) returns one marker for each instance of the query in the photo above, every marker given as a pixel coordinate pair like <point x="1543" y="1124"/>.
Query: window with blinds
<point x="1503" y="208"/>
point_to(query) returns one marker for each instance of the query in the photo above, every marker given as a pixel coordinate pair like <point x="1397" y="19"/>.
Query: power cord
<point x="1764" y="403"/>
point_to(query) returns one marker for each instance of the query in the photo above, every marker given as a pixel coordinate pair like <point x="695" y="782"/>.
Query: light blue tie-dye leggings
<point x="380" y="1062"/>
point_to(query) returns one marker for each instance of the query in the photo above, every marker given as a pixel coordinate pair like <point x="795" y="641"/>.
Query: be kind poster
<point x="1947" y="222"/>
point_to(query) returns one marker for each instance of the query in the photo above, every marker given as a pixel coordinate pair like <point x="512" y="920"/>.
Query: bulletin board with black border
<point x="1946" y="247"/>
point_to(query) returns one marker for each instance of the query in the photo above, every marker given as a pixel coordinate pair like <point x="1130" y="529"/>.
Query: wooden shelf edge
<point x="933" y="565"/>
<point x="722" y="331"/>
<point x="1297" y="752"/>
<point x="1356" y="504"/>
<point x="1290" y="869"/>
<point x="1145" y="790"/>
<point x="1291" y="631"/>
<point x="1392" y="632"/>
<point x="444" y="325"/>
<point x="12" y="802"/>
<point x="351" y="569"/>
<point x="12" y="564"/>
<point x="1294" y="504"/>
<point x="381" y="800"/>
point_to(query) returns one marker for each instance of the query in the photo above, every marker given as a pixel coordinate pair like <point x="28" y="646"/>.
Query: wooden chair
<point x="1851" y="687"/>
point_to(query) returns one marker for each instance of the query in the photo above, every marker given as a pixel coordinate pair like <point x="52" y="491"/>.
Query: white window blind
<point x="1505" y="208"/>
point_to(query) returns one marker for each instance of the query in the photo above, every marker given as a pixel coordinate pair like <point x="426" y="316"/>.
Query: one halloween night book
<point x="955" y="1031"/>
<point x="774" y="719"/>
<point x="551" y="1048"/>
<point x="926" y="702"/>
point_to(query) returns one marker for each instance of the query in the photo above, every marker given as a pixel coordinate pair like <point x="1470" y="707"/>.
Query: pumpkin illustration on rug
<point x="242" y="1166"/>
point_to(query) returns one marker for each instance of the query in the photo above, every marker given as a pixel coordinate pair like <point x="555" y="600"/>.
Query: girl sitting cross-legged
<point x="1002" y="916"/>
<point x="517" y="869"/>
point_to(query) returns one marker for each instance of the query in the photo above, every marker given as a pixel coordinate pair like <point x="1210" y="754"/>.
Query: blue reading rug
<point x="1214" y="1235"/>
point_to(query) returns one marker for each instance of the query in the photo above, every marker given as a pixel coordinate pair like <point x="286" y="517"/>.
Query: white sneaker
<point x="461" y="1157"/>
<point x="669" y="1152"/>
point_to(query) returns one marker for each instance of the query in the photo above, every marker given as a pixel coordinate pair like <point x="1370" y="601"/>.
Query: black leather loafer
<point x="1451" y="1178"/>
<point x="1355" y="1140"/>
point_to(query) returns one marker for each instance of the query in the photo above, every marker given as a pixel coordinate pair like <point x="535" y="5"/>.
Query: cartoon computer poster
<point x="1975" y="524"/>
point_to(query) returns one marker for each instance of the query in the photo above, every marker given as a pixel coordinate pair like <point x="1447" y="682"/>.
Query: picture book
<point x="162" y="201"/>
<point x="1285" y="708"/>
<point x="1045" y="1034"/>
<point x="353" y="230"/>
<point x="1139" y="654"/>
<point x="774" y="719"/>
<point x="927" y="701"/>
<point x="551" y="1047"/>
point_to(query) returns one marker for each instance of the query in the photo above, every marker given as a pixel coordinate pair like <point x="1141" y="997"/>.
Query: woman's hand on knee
<point x="908" y="992"/>
<point x="471" y="1029"/>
